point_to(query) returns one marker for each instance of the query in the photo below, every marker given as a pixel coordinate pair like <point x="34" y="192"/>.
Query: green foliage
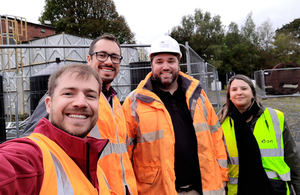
<point x="89" y="18"/>
<point x="243" y="50"/>
<point x="293" y="27"/>
<point x="287" y="48"/>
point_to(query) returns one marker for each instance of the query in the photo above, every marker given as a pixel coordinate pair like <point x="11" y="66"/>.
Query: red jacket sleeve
<point x="21" y="167"/>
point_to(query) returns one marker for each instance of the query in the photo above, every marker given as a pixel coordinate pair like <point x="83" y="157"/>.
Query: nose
<point x="166" y="66"/>
<point x="108" y="61"/>
<point x="80" y="101"/>
<point x="239" y="91"/>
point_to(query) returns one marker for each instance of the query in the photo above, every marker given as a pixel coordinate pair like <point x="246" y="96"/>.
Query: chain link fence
<point x="24" y="85"/>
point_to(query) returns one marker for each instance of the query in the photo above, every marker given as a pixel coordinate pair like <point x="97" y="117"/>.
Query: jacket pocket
<point x="146" y="174"/>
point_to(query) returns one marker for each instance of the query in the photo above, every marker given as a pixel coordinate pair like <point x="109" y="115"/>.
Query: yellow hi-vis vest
<point x="62" y="175"/>
<point x="268" y="133"/>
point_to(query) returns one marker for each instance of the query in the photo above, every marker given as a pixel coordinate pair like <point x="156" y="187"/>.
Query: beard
<point x="106" y="80"/>
<point x="58" y="121"/>
<point x="82" y="134"/>
<point x="165" y="83"/>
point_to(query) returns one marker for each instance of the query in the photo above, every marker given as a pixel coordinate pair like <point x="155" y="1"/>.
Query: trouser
<point x="187" y="190"/>
<point x="192" y="192"/>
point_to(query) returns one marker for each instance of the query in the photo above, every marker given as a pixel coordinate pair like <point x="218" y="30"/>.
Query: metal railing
<point x="279" y="82"/>
<point x="135" y="65"/>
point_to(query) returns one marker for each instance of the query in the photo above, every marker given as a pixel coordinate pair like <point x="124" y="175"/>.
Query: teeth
<point x="77" y="116"/>
<point x="106" y="70"/>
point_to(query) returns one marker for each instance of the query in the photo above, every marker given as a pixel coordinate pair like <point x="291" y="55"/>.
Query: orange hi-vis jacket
<point x="151" y="142"/>
<point x="62" y="175"/>
<point x="114" y="159"/>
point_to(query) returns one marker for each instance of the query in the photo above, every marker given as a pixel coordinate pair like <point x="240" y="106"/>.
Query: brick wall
<point x="34" y="31"/>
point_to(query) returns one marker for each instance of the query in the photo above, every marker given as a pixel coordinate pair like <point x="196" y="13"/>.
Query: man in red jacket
<point x="105" y="57"/>
<point x="58" y="157"/>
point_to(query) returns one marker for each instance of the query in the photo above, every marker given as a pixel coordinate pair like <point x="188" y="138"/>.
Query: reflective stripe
<point x="201" y="127"/>
<point x="214" y="192"/>
<point x="233" y="180"/>
<point x="205" y="112"/>
<point x="222" y="163"/>
<point x="193" y="96"/>
<point x="63" y="183"/>
<point x="114" y="148"/>
<point x="283" y="177"/>
<point x="193" y="107"/>
<point x="133" y="107"/>
<point x="214" y="128"/>
<point x="145" y="98"/>
<point x="204" y="127"/>
<point x="272" y="152"/>
<point x="276" y="125"/>
<point x="134" y="104"/>
<point x="95" y="132"/>
<point x="234" y="160"/>
<point x="152" y="136"/>
<point x="275" y="120"/>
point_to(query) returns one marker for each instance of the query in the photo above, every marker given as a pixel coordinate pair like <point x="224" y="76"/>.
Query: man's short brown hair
<point x="105" y="36"/>
<point x="84" y="71"/>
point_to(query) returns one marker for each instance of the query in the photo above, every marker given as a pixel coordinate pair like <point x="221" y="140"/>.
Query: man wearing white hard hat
<point x="175" y="139"/>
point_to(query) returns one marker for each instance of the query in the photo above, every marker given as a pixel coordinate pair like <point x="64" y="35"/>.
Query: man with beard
<point x="58" y="157"/>
<point x="105" y="57"/>
<point x="175" y="139"/>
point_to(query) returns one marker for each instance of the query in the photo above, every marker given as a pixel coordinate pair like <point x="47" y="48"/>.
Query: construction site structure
<point x="13" y="31"/>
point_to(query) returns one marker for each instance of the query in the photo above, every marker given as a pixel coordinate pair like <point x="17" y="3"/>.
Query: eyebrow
<point x="170" y="58"/>
<point x="85" y="90"/>
<point x="107" y="52"/>
<point x="239" y="86"/>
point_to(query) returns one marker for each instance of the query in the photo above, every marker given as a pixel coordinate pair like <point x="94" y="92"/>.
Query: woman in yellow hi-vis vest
<point x="262" y="155"/>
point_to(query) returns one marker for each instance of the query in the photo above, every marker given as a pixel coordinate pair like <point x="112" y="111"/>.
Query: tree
<point x="293" y="27"/>
<point x="287" y="43"/>
<point x="185" y="31"/>
<point x="202" y="31"/>
<point x="248" y="30"/>
<point x="89" y="18"/>
<point x="242" y="50"/>
<point x="287" y="48"/>
<point x="233" y="35"/>
<point x="265" y="35"/>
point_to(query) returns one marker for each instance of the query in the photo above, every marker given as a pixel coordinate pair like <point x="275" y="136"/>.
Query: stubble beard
<point x="166" y="84"/>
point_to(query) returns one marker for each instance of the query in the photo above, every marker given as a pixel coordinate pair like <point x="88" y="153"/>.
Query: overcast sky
<point x="152" y="18"/>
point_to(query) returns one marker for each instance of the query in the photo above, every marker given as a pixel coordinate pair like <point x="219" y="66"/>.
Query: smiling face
<point x="73" y="106"/>
<point x="165" y="68"/>
<point x="107" y="70"/>
<point x="240" y="94"/>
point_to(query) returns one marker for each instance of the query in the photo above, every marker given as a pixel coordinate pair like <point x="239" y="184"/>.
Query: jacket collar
<point x="84" y="152"/>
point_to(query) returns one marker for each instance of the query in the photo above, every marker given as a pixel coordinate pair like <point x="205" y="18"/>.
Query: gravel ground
<point x="290" y="106"/>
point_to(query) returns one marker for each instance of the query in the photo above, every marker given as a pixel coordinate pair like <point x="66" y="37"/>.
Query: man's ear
<point x="48" y="104"/>
<point x="88" y="58"/>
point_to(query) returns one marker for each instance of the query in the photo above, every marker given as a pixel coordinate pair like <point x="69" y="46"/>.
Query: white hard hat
<point x="166" y="44"/>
